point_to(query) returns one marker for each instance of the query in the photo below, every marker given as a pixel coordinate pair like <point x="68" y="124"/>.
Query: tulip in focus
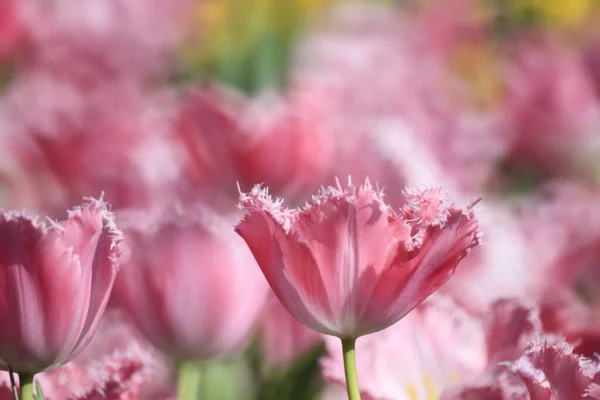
<point x="55" y="282"/>
<point x="190" y="286"/>
<point x="348" y="265"/>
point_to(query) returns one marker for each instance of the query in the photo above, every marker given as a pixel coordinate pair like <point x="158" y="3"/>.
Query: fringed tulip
<point x="190" y="285"/>
<point x="348" y="265"/>
<point x="55" y="281"/>
<point x="544" y="372"/>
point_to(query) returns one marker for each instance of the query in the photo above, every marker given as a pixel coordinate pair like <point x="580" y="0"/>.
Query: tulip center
<point x="429" y="387"/>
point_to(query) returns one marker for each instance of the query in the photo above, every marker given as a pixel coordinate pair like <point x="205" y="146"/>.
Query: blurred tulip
<point x="545" y="372"/>
<point x="383" y="104"/>
<point x="71" y="141"/>
<point x="55" y="282"/>
<point x="505" y="267"/>
<point x="281" y="142"/>
<point x="347" y="264"/>
<point x="92" y="41"/>
<point x="553" y="107"/>
<point x="12" y="29"/>
<point x="80" y="112"/>
<point x="190" y="284"/>
<point x="117" y="364"/>
<point x="566" y="215"/>
<point x="412" y="359"/>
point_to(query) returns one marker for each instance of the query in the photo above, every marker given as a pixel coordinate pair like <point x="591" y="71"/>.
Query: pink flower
<point x="413" y="357"/>
<point x="12" y="30"/>
<point x="347" y="264"/>
<point x="388" y="95"/>
<point x="503" y="268"/>
<point x="282" y="142"/>
<point x="285" y="142"/>
<point x="566" y="215"/>
<point x="116" y="362"/>
<point x="55" y="282"/>
<point x="112" y="139"/>
<point x="553" y="106"/>
<point x="190" y="286"/>
<point x="544" y="372"/>
<point x="98" y="40"/>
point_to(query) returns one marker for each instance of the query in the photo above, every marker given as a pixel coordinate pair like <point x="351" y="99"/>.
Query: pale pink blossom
<point x="12" y="30"/>
<point x="544" y="372"/>
<point x="552" y="106"/>
<point x="347" y="264"/>
<point x="281" y="141"/>
<point x="385" y="87"/>
<point x="449" y="25"/>
<point x="67" y="141"/>
<point x="118" y="361"/>
<point x="190" y="286"/>
<point x="566" y="215"/>
<point x="78" y="115"/>
<point x="505" y="266"/>
<point x="55" y="282"/>
<point x="413" y="359"/>
<point x="91" y="41"/>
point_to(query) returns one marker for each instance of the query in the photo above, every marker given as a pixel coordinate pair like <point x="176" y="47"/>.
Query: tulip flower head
<point x="347" y="264"/>
<point x="55" y="281"/>
<point x="190" y="286"/>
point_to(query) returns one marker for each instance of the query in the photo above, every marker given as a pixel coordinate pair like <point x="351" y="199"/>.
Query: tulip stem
<point x="189" y="380"/>
<point x="350" y="369"/>
<point x="26" y="385"/>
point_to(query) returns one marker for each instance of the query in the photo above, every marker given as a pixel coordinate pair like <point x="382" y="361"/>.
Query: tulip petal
<point x="301" y="290"/>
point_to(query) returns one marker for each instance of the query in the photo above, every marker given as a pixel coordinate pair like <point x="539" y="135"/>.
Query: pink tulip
<point x="55" y="282"/>
<point x="544" y="372"/>
<point x="347" y="264"/>
<point x="190" y="286"/>
<point x="552" y="105"/>
<point x="117" y="364"/>
<point x="413" y="356"/>
<point x="12" y="30"/>
<point x="566" y="215"/>
<point x="284" y="142"/>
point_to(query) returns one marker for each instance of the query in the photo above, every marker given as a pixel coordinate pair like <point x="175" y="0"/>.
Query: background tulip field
<point x="160" y="115"/>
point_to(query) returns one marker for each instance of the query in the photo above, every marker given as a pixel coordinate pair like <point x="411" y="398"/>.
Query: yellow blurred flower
<point x="562" y="13"/>
<point x="476" y="65"/>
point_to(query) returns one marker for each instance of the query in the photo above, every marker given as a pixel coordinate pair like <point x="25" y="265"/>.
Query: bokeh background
<point x="150" y="103"/>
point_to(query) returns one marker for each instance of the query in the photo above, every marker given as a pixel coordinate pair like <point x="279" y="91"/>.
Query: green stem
<point x="350" y="368"/>
<point x="26" y="385"/>
<point x="189" y="380"/>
